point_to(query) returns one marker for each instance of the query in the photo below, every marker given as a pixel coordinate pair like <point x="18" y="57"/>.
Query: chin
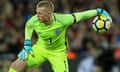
<point x="41" y="20"/>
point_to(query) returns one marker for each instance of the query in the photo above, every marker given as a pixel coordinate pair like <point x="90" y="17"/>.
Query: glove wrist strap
<point x="27" y="43"/>
<point x="99" y="11"/>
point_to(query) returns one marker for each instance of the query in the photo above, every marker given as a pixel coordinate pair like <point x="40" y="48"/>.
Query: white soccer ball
<point x="101" y="24"/>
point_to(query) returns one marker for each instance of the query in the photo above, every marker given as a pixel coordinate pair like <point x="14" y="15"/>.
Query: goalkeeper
<point x="52" y="43"/>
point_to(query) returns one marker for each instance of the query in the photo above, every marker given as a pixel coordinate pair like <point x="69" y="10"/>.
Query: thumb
<point x="32" y="53"/>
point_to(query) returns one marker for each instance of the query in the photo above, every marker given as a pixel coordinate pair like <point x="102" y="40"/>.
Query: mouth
<point x="40" y="18"/>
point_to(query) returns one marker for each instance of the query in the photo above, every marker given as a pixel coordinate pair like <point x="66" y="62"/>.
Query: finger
<point x="31" y="52"/>
<point x="22" y="55"/>
<point x="25" y="55"/>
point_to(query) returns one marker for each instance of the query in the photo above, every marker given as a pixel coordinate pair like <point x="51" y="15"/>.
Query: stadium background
<point x="14" y="14"/>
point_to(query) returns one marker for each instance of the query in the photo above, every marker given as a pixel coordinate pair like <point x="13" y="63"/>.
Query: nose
<point x="40" y="15"/>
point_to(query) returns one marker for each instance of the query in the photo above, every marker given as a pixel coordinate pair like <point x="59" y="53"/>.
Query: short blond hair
<point x="47" y="4"/>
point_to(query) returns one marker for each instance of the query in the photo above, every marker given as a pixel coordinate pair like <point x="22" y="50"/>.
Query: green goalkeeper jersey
<point x="53" y="36"/>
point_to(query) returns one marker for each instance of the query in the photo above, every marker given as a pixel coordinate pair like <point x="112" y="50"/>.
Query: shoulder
<point x="61" y="14"/>
<point x="33" y="19"/>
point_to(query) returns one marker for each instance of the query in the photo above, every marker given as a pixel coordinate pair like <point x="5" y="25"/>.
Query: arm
<point x="69" y="19"/>
<point x="27" y="43"/>
<point x="80" y="16"/>
<point x="28" y="31"/>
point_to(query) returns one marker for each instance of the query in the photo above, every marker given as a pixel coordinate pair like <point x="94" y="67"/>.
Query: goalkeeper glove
<point x="26" y="50"/>
<point x="102" y="12"/>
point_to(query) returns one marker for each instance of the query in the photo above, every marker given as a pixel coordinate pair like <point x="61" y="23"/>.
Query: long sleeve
<point x="28" y="30"/>
<point x="80" y="16"/>
<point x="69" y="19"/>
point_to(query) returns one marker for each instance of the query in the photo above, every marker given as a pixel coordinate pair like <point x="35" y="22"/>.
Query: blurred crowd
<point x="82" y="38"/>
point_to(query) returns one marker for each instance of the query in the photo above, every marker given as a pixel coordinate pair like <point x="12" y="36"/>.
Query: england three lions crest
<point x="57" y="31"/>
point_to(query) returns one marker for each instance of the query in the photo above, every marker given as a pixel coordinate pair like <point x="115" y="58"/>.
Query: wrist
<point x="99" y="11"/>
<point x="27" y="42"/>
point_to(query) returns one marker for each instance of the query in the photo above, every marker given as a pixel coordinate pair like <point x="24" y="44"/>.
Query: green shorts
<point x="57" y="59"/>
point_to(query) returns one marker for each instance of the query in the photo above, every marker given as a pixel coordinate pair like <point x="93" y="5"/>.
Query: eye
<point x="38" y="13"/>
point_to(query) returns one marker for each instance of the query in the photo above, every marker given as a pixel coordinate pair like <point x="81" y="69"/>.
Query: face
<point x="43" y="14"/>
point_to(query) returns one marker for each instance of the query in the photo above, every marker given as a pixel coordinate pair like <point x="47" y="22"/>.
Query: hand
<point x="104" y="13"/>
<point x="26" y="50"/>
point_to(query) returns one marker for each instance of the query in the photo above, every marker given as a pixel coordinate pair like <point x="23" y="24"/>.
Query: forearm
<point x="80" y="16"/>
<point x="28" y="33"/>
<point x="27" y="44"/>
